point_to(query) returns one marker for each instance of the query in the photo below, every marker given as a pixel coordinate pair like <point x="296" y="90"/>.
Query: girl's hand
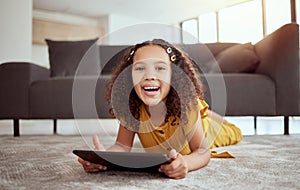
<point x="177" y="169"/>
<point x="90" y="167"/>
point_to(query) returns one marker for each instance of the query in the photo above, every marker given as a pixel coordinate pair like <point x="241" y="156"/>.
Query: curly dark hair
<point x="186" y="87"/>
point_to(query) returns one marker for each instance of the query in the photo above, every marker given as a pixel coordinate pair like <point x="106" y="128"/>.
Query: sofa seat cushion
<point x="66" y="98"/>
<point x="246" y="94"/>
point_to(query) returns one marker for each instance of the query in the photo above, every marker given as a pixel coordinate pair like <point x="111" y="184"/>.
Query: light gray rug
<point x="47" y="162"/>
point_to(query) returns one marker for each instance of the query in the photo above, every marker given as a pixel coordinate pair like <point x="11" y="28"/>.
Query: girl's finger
<point x="97" y="144"/>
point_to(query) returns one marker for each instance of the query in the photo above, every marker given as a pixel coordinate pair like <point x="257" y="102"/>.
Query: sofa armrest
<point x="15" y="80"/>
<point x="279" y="59"/>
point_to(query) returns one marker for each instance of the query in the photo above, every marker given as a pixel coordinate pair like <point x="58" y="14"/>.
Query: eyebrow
<point x="156" y="62"/>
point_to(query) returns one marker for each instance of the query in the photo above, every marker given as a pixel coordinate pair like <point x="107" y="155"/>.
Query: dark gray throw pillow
<point x="236" y="59"/>
<point x="65" y="57"/>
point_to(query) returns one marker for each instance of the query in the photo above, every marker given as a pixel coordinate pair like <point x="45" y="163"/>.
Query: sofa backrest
<point x="279" y="59"/>
<point x="110" y="55"/>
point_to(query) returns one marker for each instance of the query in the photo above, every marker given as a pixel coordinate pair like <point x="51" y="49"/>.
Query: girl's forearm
<point x="117" y="147"/>
<point x="197" y="159"/>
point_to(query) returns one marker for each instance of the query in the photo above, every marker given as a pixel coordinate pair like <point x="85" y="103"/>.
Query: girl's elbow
<point x="206" y="159"/>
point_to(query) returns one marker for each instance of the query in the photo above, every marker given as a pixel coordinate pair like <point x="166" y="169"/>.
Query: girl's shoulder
<point x="199" y="106"/>
<point x="203" y="107"/>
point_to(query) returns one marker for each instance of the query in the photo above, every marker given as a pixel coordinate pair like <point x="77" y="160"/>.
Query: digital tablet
<point x="132" y="161"/>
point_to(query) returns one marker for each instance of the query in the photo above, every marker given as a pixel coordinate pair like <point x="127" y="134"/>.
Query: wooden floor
<point x="265" y="125"/>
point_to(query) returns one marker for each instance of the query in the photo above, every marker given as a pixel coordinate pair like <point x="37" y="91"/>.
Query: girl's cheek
<point x="136" y="78"/>
<point x="165" y="78"/>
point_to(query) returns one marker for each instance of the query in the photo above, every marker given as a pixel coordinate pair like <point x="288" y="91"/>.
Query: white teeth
<point x="151" y="88"/>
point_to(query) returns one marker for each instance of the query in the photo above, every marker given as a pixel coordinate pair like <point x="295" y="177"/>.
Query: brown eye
<point x="160" y="68"/>
<point x="139" y="68"/>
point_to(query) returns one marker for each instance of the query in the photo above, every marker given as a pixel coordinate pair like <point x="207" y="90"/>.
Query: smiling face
<point x="151" y="74"/>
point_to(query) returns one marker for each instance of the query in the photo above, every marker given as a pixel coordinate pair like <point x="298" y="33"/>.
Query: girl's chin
<point x="152" y="102"/>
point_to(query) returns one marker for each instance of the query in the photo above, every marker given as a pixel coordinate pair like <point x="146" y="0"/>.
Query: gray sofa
<point x="269" y="86"/>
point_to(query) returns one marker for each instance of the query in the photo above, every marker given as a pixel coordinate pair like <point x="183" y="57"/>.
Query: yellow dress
<point x="160" y="139"/>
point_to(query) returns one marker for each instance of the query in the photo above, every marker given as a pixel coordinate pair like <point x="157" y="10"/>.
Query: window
<point x="241" y="23"/>
<point x="190" y="31"/>
<point x="208" y="28"/>
<point x="278" y="13"/>
<point x="297" y="11"/>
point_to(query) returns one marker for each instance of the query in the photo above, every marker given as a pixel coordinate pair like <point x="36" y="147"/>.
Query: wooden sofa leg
<point x="16" y="127"/>
<point x="54" y="126"/>
<point x="286" y="125"/>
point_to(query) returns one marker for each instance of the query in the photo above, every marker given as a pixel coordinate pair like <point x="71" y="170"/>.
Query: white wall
<point x="118" y="30"/>
<point x="40" y="55"/>
<point x="128" y="30"/>
<point x="16" y="30"/>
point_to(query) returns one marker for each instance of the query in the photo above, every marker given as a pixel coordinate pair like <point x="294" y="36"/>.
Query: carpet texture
<point x="47" y="162"/>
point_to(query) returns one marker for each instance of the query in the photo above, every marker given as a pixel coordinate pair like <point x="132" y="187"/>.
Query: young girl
<point x="165" y="108"/>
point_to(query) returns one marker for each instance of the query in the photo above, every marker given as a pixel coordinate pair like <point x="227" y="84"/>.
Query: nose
<point x="150" y="75"/>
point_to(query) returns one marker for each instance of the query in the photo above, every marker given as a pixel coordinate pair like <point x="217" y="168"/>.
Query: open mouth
<point x="151" y="91"/>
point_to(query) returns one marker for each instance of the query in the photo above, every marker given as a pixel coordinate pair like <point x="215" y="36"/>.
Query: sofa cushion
<point x="241" y="94"/>
<point x="236" y="59"/>
<point x="68" y="97"/>
<point x="65" y="57"/>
